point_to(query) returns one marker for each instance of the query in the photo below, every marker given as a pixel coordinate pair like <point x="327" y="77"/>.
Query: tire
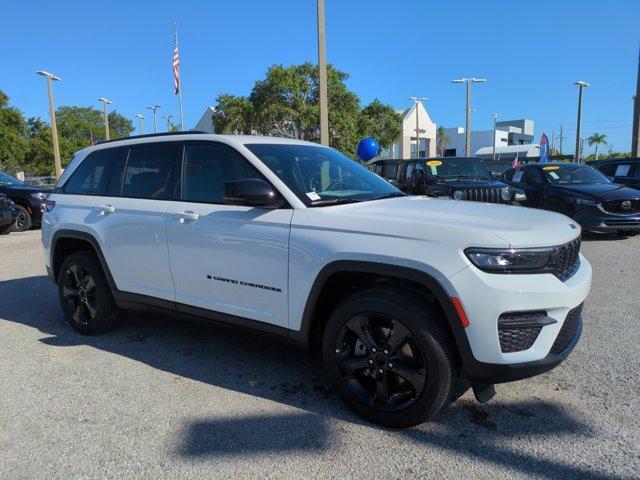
<point x="85" y="295"/>
<point x="7" y="229"/>
<point x="427" y="358"/>
<point x="23" y="222"/>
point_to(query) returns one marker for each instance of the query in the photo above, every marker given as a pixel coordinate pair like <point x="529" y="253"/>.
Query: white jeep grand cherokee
<point x="411" y="300"/>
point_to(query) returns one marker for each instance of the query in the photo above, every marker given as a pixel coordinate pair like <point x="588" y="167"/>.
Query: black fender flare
<point x="404" y="273"/>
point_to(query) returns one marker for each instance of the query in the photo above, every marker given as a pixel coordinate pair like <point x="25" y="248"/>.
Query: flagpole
<point x="175" y="31"/>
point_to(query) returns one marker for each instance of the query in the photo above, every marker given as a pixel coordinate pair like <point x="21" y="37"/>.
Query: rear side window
<point x="148" y="172"/>
<point x="206" y="168"/>
<point x="92" y="175"/>
<point x="608" y="169"/>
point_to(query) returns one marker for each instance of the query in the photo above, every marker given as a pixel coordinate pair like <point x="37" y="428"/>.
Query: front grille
<point x="622" y="223"/>
<point x="615" y="207"/>
<point x="518" y="331"/>
<point x="567" y="259"/>
<point x="487" y="195"/>
<point x="570" y="329"/>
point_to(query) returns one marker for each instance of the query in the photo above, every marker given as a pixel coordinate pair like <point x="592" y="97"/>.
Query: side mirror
<point x="251" y="192"/>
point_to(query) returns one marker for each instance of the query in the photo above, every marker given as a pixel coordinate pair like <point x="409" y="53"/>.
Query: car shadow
<point x="268" y="368"/>
<point x="603" y="237"/>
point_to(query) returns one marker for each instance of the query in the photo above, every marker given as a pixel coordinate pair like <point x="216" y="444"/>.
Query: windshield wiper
<point x="389" y="195"/>
<point x="334" y="201"/>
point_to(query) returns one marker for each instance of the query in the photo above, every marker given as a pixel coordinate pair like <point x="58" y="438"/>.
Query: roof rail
<point x="151" y="135"/>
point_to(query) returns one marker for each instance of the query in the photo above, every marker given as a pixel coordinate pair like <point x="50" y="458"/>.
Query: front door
<point x="225" y="258"/>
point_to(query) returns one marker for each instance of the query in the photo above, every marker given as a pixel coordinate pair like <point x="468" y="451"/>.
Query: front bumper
<point x="487" y="296"/>
<point x="595" y="220"/>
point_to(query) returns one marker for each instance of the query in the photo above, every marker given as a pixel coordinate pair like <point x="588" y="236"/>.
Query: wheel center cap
<point x="380" y="359"/>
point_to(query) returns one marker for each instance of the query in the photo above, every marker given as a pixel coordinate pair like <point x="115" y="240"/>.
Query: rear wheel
<point x="84" y="294"/>
<point x="388" y="358"/>
<point x="23" y="222"/>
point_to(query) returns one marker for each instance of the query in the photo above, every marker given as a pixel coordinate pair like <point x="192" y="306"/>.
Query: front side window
<point x="320" y="175"/>
<point x="390" y="171"/>
<point x="148" y="172"/>
<point x="206" y="168"/>
<point x="532" y="176"/>
<point x="573" y="174"/>
<point x="92" y="175"/>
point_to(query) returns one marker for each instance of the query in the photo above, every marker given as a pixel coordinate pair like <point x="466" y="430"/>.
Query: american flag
<point x="176" y="65"/>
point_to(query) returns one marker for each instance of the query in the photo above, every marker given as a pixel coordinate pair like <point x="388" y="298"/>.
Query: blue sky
<point x="530" y="52"/>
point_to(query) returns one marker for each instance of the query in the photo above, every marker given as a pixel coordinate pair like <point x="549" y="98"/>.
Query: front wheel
<point x="388" y="357"/>
<point x="84" y="294"/>
<point x="23" y="222"/>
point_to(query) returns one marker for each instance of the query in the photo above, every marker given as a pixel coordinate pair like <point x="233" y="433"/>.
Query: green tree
<point x="381" y="122"/>
<point x="597" y="139"/>
<point x="13" y="136"/>
<point x="285" y="103"/>
<point x="442" y="139"/>
<point x="38" y="159"/>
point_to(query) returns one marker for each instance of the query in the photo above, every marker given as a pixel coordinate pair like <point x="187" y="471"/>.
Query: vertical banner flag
<point x="544" y="149"/>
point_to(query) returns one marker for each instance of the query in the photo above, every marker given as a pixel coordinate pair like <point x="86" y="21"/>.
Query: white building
<point x="406" y="146"/>
<point x="509" y="153"/>
<point x="510" y="132"/>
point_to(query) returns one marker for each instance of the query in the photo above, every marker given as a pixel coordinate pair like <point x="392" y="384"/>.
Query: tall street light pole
<point x="417" y="100"/>
<point x="168" y="118"/>
<point x="140" y="118"/>
<point x="581" y="86"/>
<point x="322" y="76"/>
<point x="54" y="128"/>
<point x="635" y="135"/>
<point x="495" y="120"/>
<point x="106" y="103"/>
<point x="155" y="123"/>
<point x="468" y="81"/>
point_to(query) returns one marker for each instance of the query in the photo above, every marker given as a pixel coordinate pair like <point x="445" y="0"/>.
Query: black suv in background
<point x="580" y="192"/>
<point x="29" y="201"/>
<point x="459" y="178"/>
<point x="7" y="215"/>
<point x="625" y="171"/>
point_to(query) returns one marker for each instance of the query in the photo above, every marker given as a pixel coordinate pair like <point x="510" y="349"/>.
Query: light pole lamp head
<point x="140" y="116"/>
<point x="105" y="101"/>
<point x="582" y="84"/>
<point x="478" y="80"/>
<point x="459" y="80"/>
<point x="45" y="74"/>
<point x="154" y="107"/>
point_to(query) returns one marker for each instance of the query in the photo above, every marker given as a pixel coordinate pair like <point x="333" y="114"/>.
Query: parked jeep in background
<point x="29" y="200"/>
<point x="460" y="178"/>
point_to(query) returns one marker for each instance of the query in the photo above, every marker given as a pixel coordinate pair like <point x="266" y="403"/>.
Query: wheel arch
<point x="322" y="298"/>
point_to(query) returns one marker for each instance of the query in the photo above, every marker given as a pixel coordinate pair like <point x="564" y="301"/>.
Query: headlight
<point x="39" y="196"/>
<point x="505" y="193"/>
<point x="499" y="260"/>
<point x="584" y="201"/>
<point x="460" y="195"/>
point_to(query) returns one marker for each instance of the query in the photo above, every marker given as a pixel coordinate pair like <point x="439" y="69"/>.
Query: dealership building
<point x="508" y="133"/>
<point x="405" y="147"/>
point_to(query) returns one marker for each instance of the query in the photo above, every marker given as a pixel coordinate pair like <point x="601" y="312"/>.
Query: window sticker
<point x="554" y="175"/>
<point x="434" y="163"/>
<point x="313" y="196"/>
<point x="622" y="171"/>
<point x="551" y="168"/>
<point x="517" y="176"/>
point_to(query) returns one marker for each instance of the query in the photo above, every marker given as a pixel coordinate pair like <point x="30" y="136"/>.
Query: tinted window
<point x="148" y="172"/>
<point x="508" y="175"/>
<point x="532" y="176"/>
<point x="92" y="175"/>
<point x="457" y="167"/>
<point x="389" y="170"/>
<point x="636" y="171"/>
<point x="207" y="167"/>
<point x="414" y="167"/>
<point x="608" y="169"/>
<point x="572" y="173"/>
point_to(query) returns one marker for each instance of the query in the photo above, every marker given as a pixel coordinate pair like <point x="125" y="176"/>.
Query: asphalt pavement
<point x="161" y="398"/>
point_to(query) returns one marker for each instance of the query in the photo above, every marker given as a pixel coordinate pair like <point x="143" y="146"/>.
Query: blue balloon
<point x="367" y="148"/>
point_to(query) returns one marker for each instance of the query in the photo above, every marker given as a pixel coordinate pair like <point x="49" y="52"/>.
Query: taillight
<point x="49" y="205"/>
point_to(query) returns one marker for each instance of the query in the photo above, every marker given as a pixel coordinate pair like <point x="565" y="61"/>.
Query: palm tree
<point x="442" y="139"/>
<point x="597" y="139"/>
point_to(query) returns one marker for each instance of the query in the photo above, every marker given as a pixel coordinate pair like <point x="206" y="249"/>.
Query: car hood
<point x="601" y="191"/>
<point x="25" y="188"/>
<point x="460" y="222"/>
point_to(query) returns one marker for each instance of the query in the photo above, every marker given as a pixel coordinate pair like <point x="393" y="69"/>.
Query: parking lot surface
<point x="160" y="398"/>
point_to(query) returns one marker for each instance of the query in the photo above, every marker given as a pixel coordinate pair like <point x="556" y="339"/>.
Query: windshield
<point x="573" y="174"/>
<point x="6" y="179"/>
<point x="320" y="175"/>
<point x="457" y="167"/>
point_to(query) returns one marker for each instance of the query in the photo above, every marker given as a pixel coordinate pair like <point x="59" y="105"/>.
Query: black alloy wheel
<point x="79" y="294"/>
<point x="381" y="362"/>
<point x="84" y="293"/>
<point x="23" y="220"/>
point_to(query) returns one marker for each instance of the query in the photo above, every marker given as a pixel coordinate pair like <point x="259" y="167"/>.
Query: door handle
<point x="106" y="209"/>
<point x="186" y="216"/>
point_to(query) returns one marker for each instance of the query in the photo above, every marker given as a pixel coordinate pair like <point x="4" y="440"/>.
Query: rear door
<point x="225" y="258"/>
<point x="131" y="220"/>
